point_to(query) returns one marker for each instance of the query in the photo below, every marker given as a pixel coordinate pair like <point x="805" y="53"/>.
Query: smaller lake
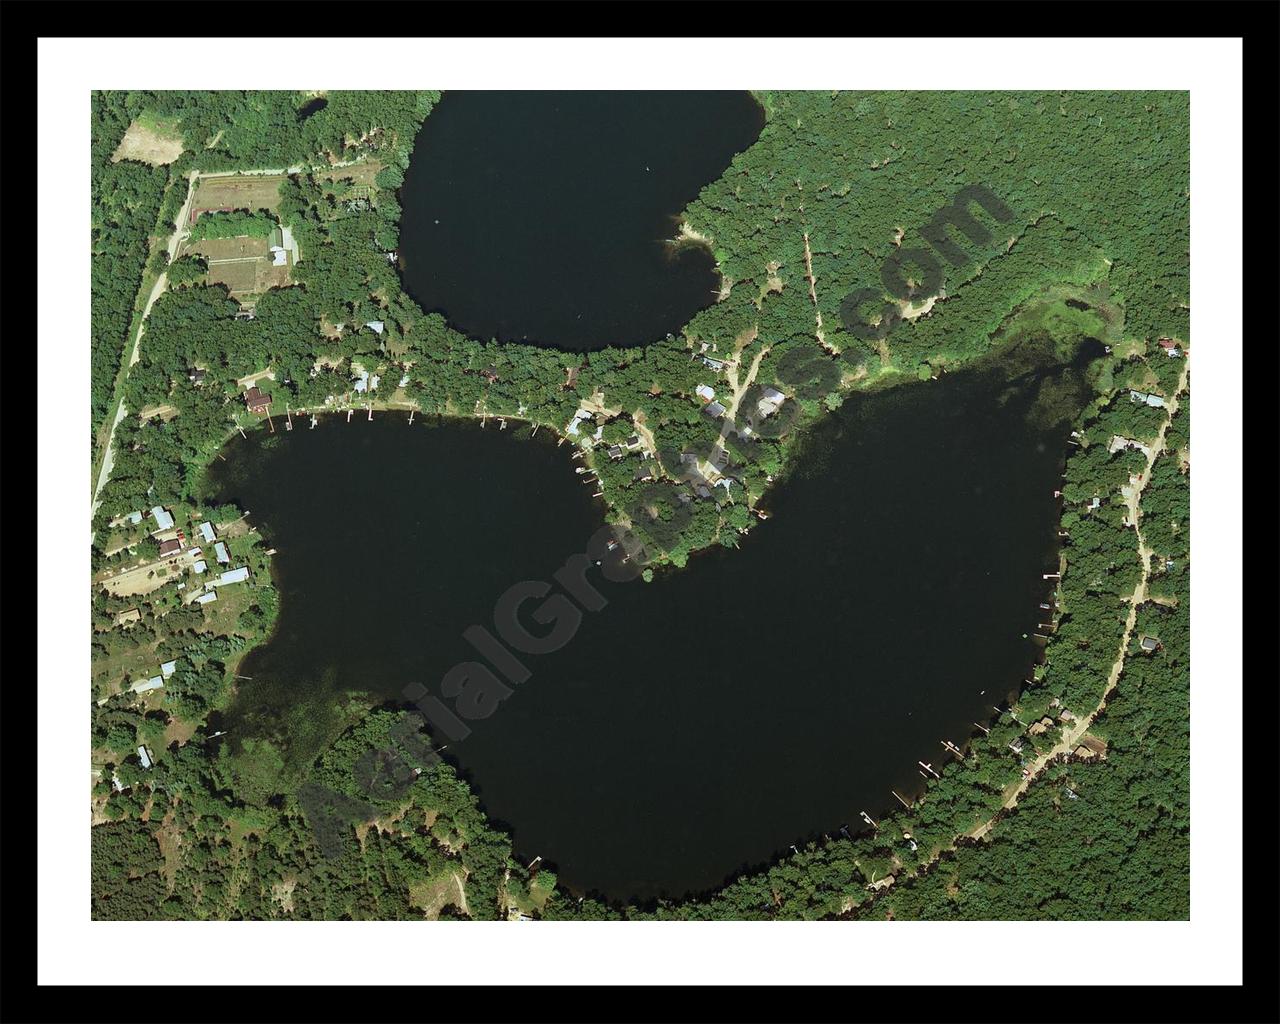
<point x="546" y="216"/>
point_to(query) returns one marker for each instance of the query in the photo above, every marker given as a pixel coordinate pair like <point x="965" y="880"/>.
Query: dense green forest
<point x="126" y="199"/>
<point x="850" y="170"/>
<point x="256" y="130"/>
<point x="1095" y="247"/>
<point x="233" y="223"/>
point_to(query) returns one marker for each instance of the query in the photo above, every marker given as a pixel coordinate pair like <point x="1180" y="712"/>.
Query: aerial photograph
<point x="615" y="505"/>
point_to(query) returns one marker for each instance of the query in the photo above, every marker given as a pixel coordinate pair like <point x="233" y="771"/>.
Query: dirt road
<point x="180" y="232"/>
<point x="813" y="292"/>
<point x="1071" y="737"/>
<point x="737" y="386"/>
<point x="175" y="240"/>
<point x="107" y="459"/>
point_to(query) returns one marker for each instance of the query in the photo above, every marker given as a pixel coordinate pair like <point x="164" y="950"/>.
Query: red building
<point x="170" y="547"/>
<point x="256" y="401"/>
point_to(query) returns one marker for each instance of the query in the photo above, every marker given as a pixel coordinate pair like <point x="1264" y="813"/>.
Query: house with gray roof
<point x="769" y="401"/>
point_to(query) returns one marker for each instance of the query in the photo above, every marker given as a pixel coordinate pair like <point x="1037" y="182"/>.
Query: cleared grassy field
<point x="243" y="264"/>
<point x="270" y="276"/>
<point x="222" y="615"/>
<point x="240" y="248"/>
<point x="241" y="278"/>
<point x="112" y="673"/>
<point x="150" y="141"/>
<point x="238" y="191"/>
<point x="362" y="173"/>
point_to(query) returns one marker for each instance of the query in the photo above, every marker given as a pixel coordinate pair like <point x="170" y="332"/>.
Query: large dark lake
<point x="547" y="217"/>
<point x="707" y="720"/>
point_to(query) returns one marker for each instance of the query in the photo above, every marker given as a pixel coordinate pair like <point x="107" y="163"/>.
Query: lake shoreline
<point x="503" y="741"/>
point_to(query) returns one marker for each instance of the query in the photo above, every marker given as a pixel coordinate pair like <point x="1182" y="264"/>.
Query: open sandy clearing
<point x="147" y="146"/>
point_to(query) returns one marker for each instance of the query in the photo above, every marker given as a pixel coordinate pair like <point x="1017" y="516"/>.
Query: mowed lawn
<point x="362" y="173"/>
<point x="124" y="667"/>
<point x="221" y="616"/>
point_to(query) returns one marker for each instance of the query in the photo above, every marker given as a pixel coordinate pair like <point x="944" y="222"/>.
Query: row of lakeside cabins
<point x="256" y="400"/>
<point x="174" y="546"/>
<point x="768" y="404"/>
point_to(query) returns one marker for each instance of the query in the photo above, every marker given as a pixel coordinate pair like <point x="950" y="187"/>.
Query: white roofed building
<point x="164" y="521"/>
<point x="770" y="400"/>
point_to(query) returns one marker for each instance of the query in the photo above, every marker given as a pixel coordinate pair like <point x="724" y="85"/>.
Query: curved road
<point x="1072" y="736"/>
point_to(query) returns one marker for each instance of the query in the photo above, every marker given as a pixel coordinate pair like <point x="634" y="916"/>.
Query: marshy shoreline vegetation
<point x="800" y="220"/>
